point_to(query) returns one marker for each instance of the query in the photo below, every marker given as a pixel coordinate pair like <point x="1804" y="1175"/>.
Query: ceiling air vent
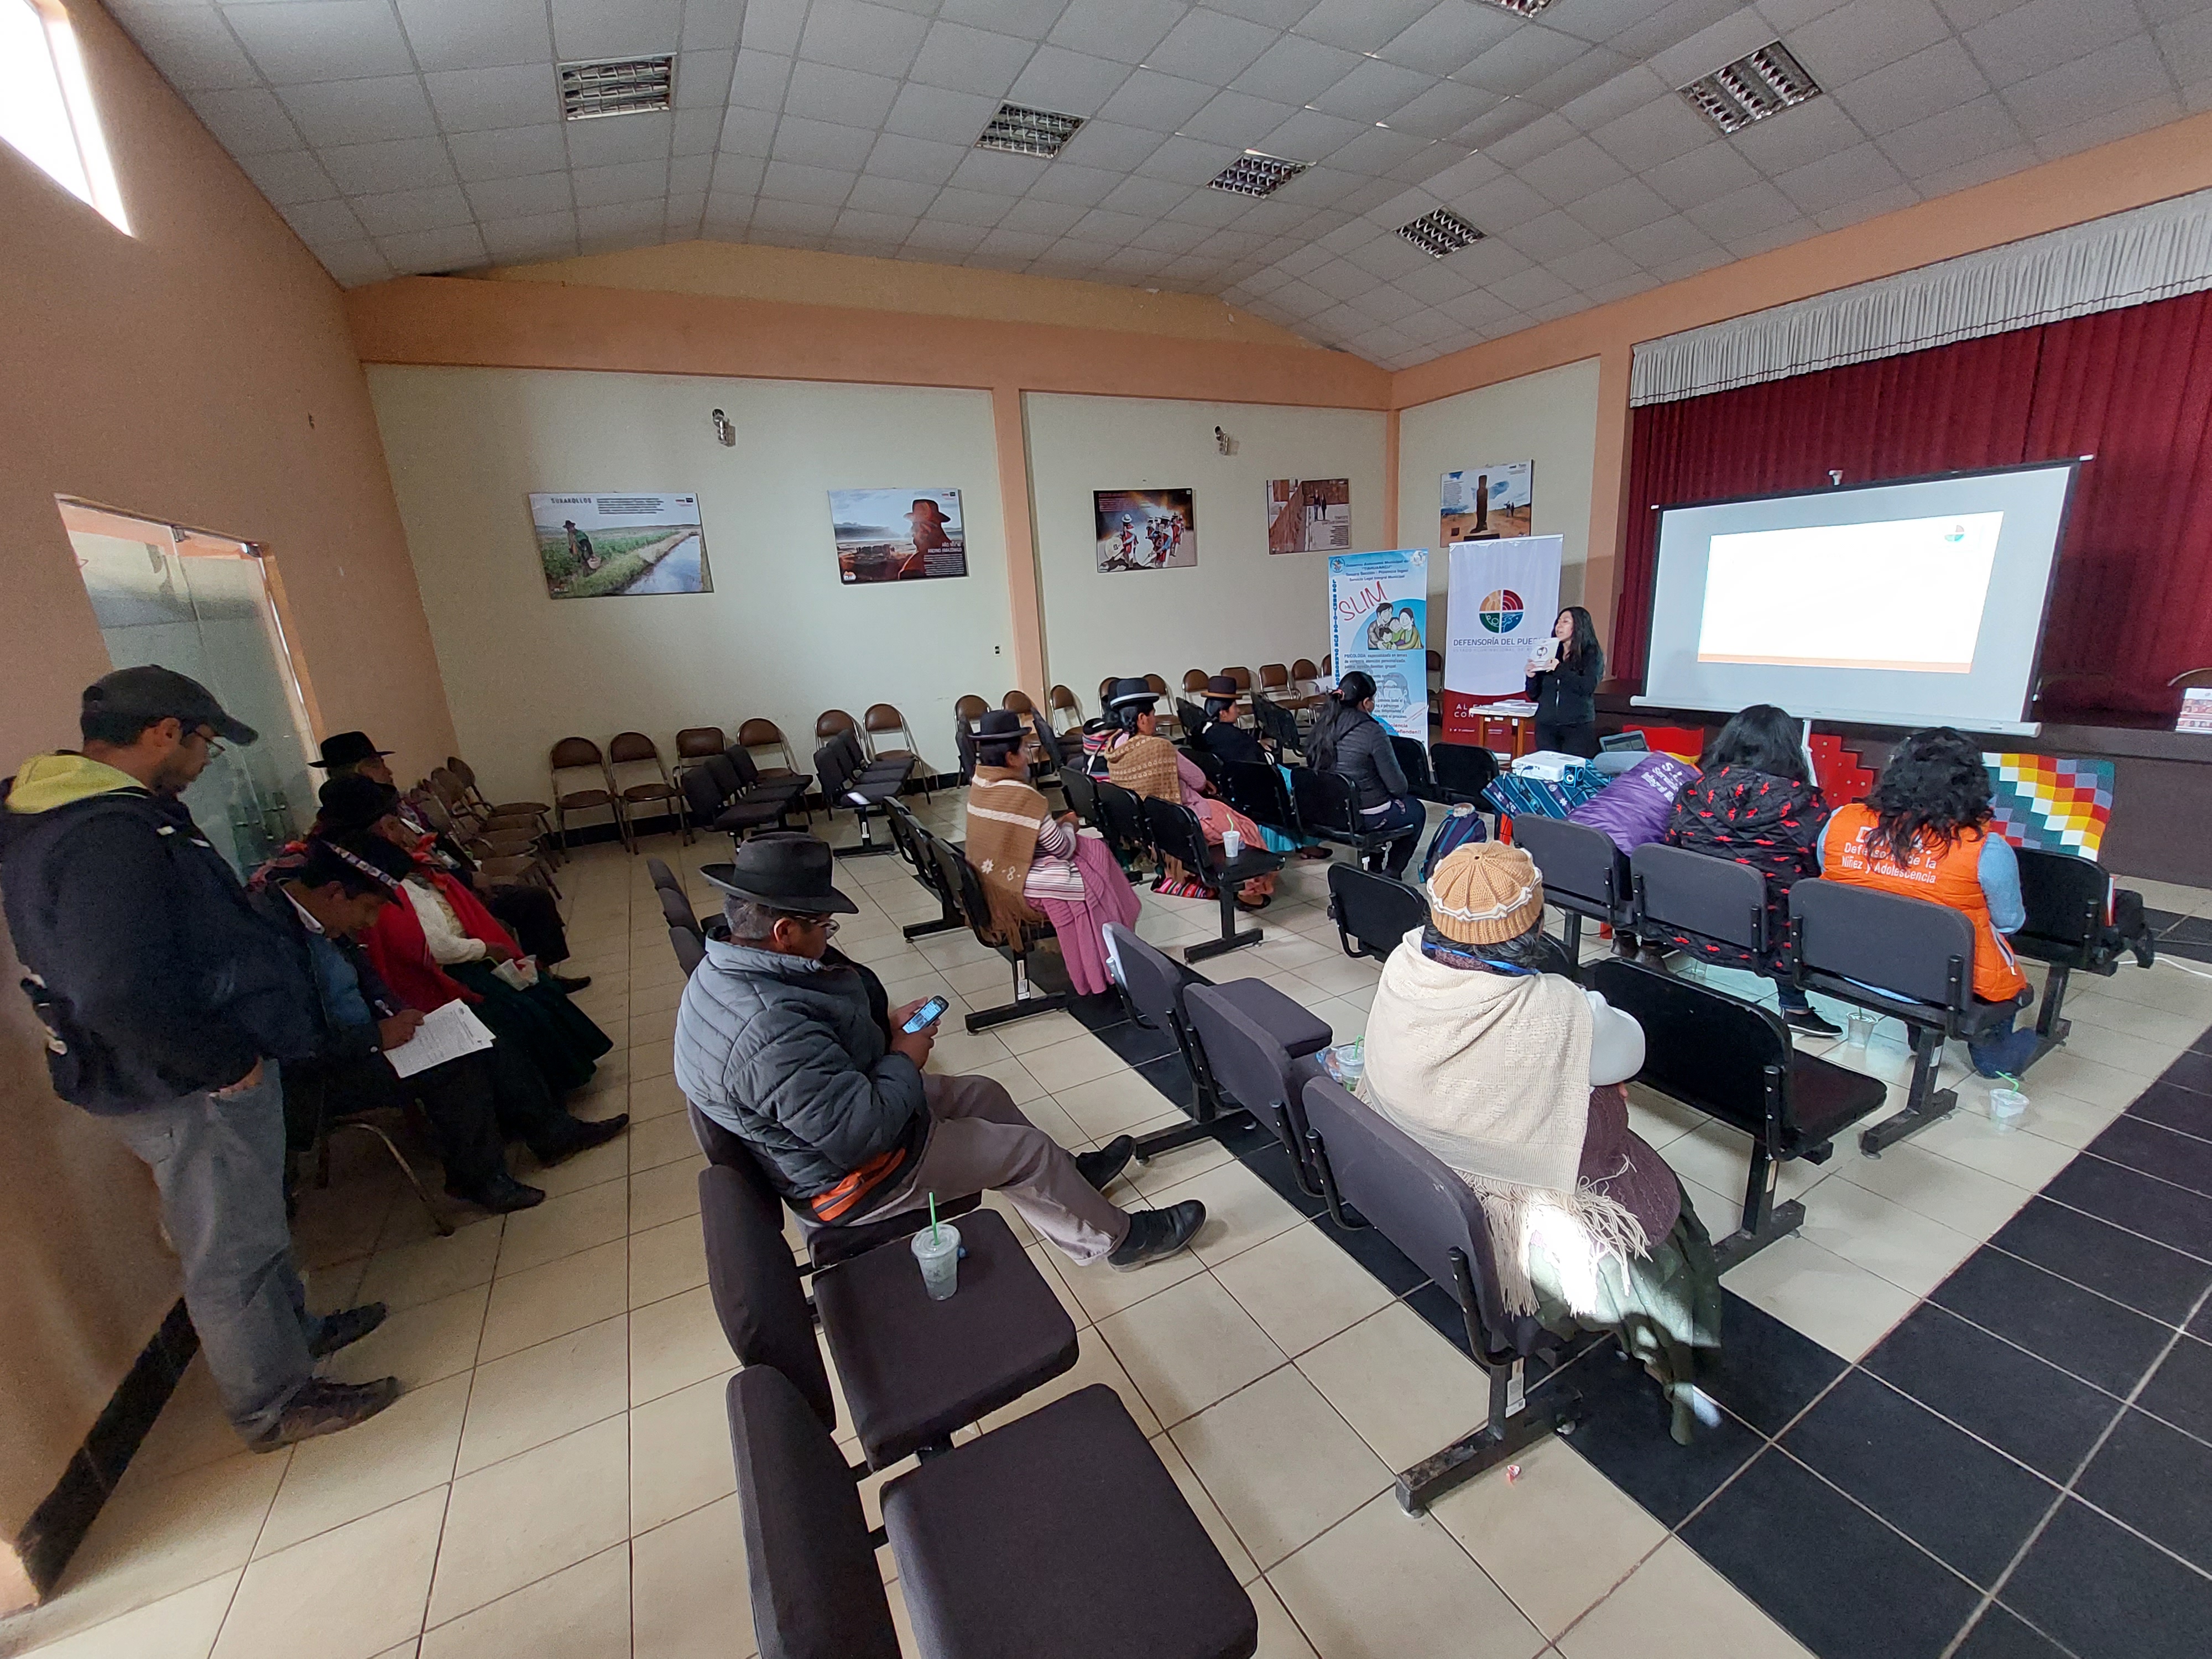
<point x="1256" y="174"/>
<point x="1521" y="7"/>
<point x="1440" y="233"/>
<point x="1028" y="131"/>
<point x="1757" y="85"/>
<point x="616" y="85"/>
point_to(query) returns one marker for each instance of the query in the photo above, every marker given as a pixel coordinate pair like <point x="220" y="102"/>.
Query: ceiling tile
<point x="1009" y="174"/>
<point x="1691" y="264"/>
<point x="971" y="59"/>
<point x="1552" y="236"/>
<point x="1362" y="26"/>
<point x="1730" y="35"/>
<point x="1464" y="176"/>
<point x="1572" y="172"/>
<point x="1539" y="137"/>
<point x="1514" y="115"/>
<point x="789" y="223"/>
<point x="632" y="181"/>
<point x="322" y="221"/>
<point x="457" y="247"/>
<point x="773" y="25"/>
<point x="360" y="112"/>
<point x="702" y="79"/>
<point x="1833" y="180"/>
<point x="1861" y="36"/>
<point x="1439" y="281"/>
<point x="1102" y="225"/>
<point x="1630" y="204"/>
<point x="728" y="216"/>
<point x="1169" y="236"/>
<point x="2187" y="45"/>
<point x="352" y="263"/>
<point x="1385" y="304"/>
<point x="1073" y="82"/>
<point x="1293" y="71"/>
<point x="856" y="35"/>
<point x="1340" y="279"/>
<point x="886" y="230"/>
<point x="2044" y="34"/>
<point x="1481" y="309"/>
<point x="1310" y="135"/>
<point x="246" y="120"/>
<point x="1941" y="77"/>
<point x="1376" y="152"/>
<point x="1149" y="197"/>
<point x="481" y="34"/>
<point x="510" y="153"/>
<point x="1031" y="19"/>
<point x="1081" y="187"/>
<point x="1594" y="268"/>
<point x="528" y="240"/>
<point x="1745" y="212"/>
<point x="788" y="181"/>
<point x="823" y="143"/>
<point x="915" y="161"/>
<point x="190" y="44"/>
<point x="606" y="28"/>
<point x="749" y="132"/>
<point x="1602" y="20"/>
<point x="1501" y="205"/>
<point x="288" y="177"/>
<point x="1160" y="103"/>
<point x="1209" y="47"/>
<point x="1576" y="81"/>
<point x="1774" y="236"/>
<point x="1238" y="118"/>
<point x="399" y="211"/>
<point x="1659" y="131"/>
<point x="690" y="174"/>
<point x="1123" y="29"/>
<point x="1634" y="283"/>
<point x="618" y="219"/>
<point x="1450" y="36"/>
<point x="478" y="100"/>
<point x="736" y="175"/>
<point x="539" y="194"/>
<point x="2124" y="74"/>
<point x="322" y="39"/>
<point x="1391" y="258"/>
<point x="1866" y="207"/>
<point x="1522" y="59"/>
<point x="1979" y="171"/>
<point x="1046" y="218"/>
<point x="2123" y="122"/>
<point x="1701" y="176"/>
<point x="711" y="25"/>
<point x="893" y="195"/>
<point x="937" y="236"/>
<point x="1525" y="290"/>
<point x="1374" y="91"/>
<point x="849" y="96"/>
<point x="1786" y="14"/>
<point x="950" y="118"/>
<point x="613" y="138"/>
<point x="1023" y="244"/>
<point x="759" y="78"/>
<point x="1633" y="88"/>
<point x="697" y="131"/>
<point x="970" y="207"/>
<point x="1796" y="136"/>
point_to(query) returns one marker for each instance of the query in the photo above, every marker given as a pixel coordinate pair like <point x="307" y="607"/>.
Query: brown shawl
<point x="1146" y="766"/>
<point x="1005" y="815"/>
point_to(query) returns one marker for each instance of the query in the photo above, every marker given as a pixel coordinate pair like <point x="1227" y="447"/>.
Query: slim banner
<point x="1378" y="614"/>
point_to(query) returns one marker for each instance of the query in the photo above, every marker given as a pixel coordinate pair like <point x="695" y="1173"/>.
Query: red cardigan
<point x="399" y="951"/>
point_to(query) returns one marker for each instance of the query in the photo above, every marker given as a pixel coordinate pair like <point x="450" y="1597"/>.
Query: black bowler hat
<point x="999" y="730"/>
<point x="153" y="693"/>
<point x="1222" y="686"/>
<point x="346" y="748"/>
<point x="353" y="803"/>
<point x="1132" y="694"/>
<point x="785" y="871"/>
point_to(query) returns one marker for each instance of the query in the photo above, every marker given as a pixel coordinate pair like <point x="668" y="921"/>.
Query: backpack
<point x="1461" y="825"/>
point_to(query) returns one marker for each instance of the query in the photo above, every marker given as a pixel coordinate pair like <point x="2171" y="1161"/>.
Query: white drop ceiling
<point x="417" y="136"/>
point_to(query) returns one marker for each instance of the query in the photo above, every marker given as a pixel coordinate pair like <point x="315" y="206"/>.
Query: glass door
<point x="201" y="605"/>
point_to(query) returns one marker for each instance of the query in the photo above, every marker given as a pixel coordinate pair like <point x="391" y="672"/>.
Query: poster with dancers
<point x="1146" y="529"/>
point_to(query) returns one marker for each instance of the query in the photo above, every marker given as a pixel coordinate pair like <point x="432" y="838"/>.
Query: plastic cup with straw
<point x="937" y="1249"/>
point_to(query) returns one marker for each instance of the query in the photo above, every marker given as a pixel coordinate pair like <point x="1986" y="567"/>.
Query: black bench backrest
<point x="723" y="770"/>
<point x="1413" y="762"/>
<point x="1279" y="723"/>
<point x="1680" y="891"/>
<point x="1247" y="1064"/>
<point x="1257" y="790"/>
<point x="1417" y="1203"/>
<point x="1154" y="984"/>
<point x="1702" y="1046"/>
<point x="1376" y="910"/>
<point x="817" y="1592"/>
<point x="1914" y="949"/>
<point x="1082" y="796"/>
<point x="1463" y="770"/>
<point x="676" y="908"/>
<point x="2065" y="897"/>
<point x="690" y="948"/>
<point x="1327" y="802"/>
<point x="703" y="793"/>
<point x="663" y="877"/>
<point x="1173" y="829"/>
<point x="1582" y="870"/>
<point x="1124" y="815"/>
<point x="756" y="1285"/>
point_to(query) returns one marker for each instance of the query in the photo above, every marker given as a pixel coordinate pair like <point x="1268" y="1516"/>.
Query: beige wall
<point x="1550" y="418"/>
<point x="1240" y="603"/>
<point x="175" y="373"/>
<point x="780" y="635"/>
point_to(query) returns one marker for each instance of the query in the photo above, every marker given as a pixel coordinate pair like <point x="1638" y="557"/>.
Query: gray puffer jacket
<point x="792" y="1056"/>
<point x="1363" y="752"/>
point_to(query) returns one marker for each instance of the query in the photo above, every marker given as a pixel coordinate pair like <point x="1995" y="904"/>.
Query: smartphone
<point x="928" y="1014"/>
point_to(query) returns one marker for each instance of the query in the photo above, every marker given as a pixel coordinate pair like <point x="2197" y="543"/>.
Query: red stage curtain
<point x="2133" y="387"/>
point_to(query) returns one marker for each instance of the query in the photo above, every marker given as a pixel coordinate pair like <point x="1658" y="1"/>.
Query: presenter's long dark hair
<point x="1580" y="649"/>
<point x="1933" y="785"/>
<point x="1763" y="738"/>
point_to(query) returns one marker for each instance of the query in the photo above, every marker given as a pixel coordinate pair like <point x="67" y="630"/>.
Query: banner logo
<point x="1500" y="610"/>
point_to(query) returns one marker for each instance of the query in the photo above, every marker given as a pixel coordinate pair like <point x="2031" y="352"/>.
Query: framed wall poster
<point x="1309" y="515"/>
<point x="897" y="535"/>
<point x="1483" y="503"/>
<point x="1146" y="529"/>
<point x="594" y="545"/>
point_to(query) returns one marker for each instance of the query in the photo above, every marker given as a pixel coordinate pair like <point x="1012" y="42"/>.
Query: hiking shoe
<point x="345" y="1328"/>
<point x="580" y="1134"/>
<point x="502" y="1195"/>
<point x="325" y="1408"/>
<point x="1810" y="1021"/>
<point x="1156" y="1234"/>
<point x="1099" y="1168"/>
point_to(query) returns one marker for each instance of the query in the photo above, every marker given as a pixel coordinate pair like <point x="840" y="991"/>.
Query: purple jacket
<point x="1634" y="808"/>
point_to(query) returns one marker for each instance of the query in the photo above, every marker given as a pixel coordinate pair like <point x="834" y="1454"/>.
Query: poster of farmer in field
<point x="593" y="546"/>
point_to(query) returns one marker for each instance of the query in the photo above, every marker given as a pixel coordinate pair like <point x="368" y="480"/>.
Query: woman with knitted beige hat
<point x="1481" y="1049"/>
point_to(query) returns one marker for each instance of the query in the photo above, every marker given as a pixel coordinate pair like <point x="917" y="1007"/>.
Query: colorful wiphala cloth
<point x="2055" y="806"/>
<point x="1512" y="793"/>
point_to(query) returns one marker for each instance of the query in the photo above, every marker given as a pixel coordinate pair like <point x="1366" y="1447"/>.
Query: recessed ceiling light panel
<point x="1521" y="7"/>
<point x="1757" y="85"/>
<point x="616" y="85"/>
<point x="1440" y="233"/>
<point x="1028" y="131"/>
<point x="1256" y="174"/>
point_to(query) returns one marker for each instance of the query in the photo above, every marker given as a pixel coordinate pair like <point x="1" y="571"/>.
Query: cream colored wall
<point x="780" y="637"/>
<point x="1550" y="418"/>
<point x="1240" y="604"/>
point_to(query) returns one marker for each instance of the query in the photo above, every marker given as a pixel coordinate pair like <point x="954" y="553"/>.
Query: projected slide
<point x="1902" y="593"/>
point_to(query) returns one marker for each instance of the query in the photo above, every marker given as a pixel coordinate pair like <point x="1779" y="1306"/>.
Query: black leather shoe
<point x="1156" y="1234"/>
<point x="1811" y="1022"/>
<point x="571" y="986"/>
<point x="325" y="1408"/>
<point x="580" y="1134"/>
<point x="502" y="1195"/>
<point x="345" y="1328"/>
<point x="1099" y="1168"/>
<point x="2146" y="950"/>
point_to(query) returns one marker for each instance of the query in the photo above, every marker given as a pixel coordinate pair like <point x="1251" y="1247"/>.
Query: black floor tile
<point x="1271" y="1163"/>
<point x="1099" y="1014"/>
<point x="1367" y="1246"/>
<point x="1136" y="1044"/>
<point x="1172" y="1078"/>
<point x="2130" y="1198"/>
<point x="1829" y="1573"/>
<point x="2073" y="1328"/>
<point x="2192" y="1070"/>
<point x="2159" y="921"/>
<point x="2159" y="1482"/>
<point x="2157" y="1150"/>
<point x="2176" y="1108"/>
<point x="2150" y="1278"/>
<point x="2047" y="1419"/>
<point x="2180" y="1389"/>
<point x="2190" y="930"/>
<point x="1999" y="1634"/>
<point x="1939" y="1486"/>
<point x="1624" y="1433"/>
<point x="1767" y="1371"/>
<point x="2105" y="1594"/>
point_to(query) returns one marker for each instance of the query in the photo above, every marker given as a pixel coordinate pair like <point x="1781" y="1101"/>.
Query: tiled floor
<point x="558" y="1480"/>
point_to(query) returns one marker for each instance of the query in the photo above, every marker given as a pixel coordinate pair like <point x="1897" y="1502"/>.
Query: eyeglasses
<point x="206" y="735"/>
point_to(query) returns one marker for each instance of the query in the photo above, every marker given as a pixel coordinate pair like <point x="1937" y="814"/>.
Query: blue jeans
<point x="2000" y="1051"/>
<point x="1405" y="816"/>
<point x="219" y="1164"/>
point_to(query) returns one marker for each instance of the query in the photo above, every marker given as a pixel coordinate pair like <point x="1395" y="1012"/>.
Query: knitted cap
<point x="1485" y="893"/>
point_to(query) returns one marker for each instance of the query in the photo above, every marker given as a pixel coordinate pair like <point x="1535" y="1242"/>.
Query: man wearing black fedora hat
<point x="791" y="1047"/>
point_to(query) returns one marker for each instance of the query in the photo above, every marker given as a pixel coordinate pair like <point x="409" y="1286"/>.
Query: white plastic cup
<point x="939" y="1257"/>
<point x="1858" y="1028"/>
<point x="1233" y="844"/>
<point x="2007" y="1107"/>
<point x="1350" y="1060"/>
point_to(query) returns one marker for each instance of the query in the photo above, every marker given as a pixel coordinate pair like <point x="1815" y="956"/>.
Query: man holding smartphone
<point x="791" y="1047"/>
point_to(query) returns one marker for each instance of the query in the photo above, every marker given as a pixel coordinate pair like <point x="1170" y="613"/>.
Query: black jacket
<point x="1752" y="818"/>
<point x="1231" y="742"/>
<point x="336" y="1042"/>
<point x="160" y="979"/>
<point x="1568" y="696"/>
<point x="1358" y="745"/>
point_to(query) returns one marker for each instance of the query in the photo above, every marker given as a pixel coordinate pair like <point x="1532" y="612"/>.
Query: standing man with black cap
<point x="168" y="1006"/>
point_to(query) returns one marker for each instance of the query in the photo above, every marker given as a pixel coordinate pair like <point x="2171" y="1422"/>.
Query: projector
<point x="1549" y="764"/>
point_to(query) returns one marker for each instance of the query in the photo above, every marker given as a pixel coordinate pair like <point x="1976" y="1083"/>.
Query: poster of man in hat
<point x="897" y="535"/>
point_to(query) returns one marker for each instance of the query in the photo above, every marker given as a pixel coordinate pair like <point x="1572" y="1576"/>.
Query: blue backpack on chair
<point x="1461" y="825"/>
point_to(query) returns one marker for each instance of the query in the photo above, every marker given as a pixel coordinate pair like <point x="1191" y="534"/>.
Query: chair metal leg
<point x="2051" y="1025"/>
<point x="1923" y="1105"/>
<point x="1232" y="938"/>
<point x="1574" y="940"/>
<point x="437" y="1217"/>
<point x="1026" y="1002"/>
<point x="1763" y="1219"/>
<point x="1485" y="1449"/>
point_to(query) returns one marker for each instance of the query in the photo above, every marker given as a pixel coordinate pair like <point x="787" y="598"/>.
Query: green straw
<point x="933" y="1218"/>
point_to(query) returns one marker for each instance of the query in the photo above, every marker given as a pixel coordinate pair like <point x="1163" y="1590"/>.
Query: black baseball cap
<point x="154" y="693"/>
